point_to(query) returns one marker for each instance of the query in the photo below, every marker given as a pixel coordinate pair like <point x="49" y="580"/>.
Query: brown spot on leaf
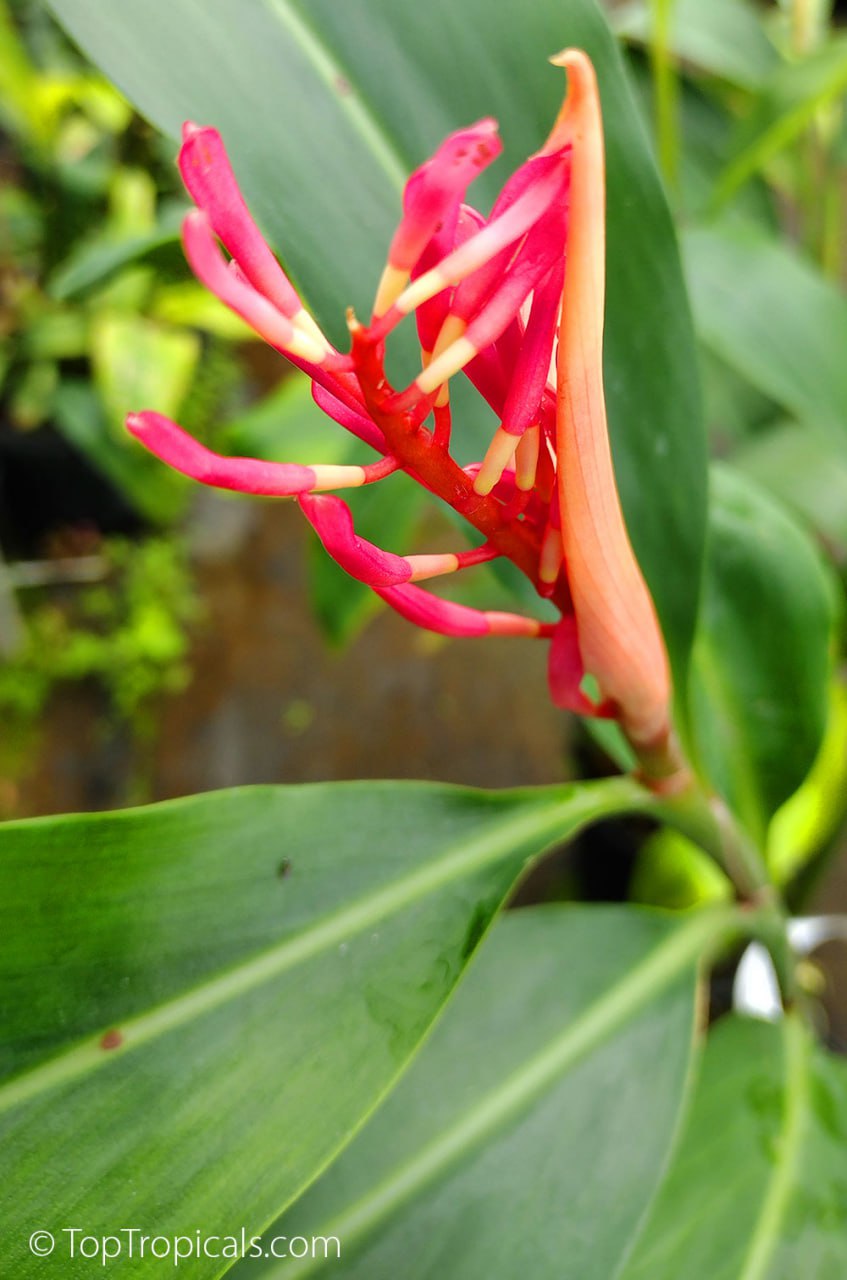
<point x="112" y="1039"/>
<point x="284" y="869"/>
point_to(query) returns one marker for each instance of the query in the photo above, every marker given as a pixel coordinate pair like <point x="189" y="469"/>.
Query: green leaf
<point x="95" y="261"/>
<point x="771" y="316"/>
<point x="287" y="426"/>
<point x="202" y="1000"/>
<point x="533" y="1130"/>
<point x="323" y="127"/>
<point x="811" y="818"/>
<point x="138" y="363"/>
<point x="807" y="471"/>
<point x="385" y="513"/>
<point x="761" y="660"/>
<point x="725" y="38"/>
<point x="756" y="1190"/>
<point x="705" y="127"/>
<point x="158" y="493"/>
<point x="671" y="871"/>
<point x="787" y="103"/>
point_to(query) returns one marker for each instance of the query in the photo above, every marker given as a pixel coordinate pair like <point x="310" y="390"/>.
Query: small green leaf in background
<point x="705" y="127"/>
<point x="326" y="107"/>
<point x="807" y="471"/>
<point x="761" y="660"/>
<point x="287" y="426"/>
<point x="138" y="363"/>
<point x="810" y="819"/>
<point x="532" y="1132"/>
<point x="771" y="315"/>
<point x="756" y="1190"/>
<point x="787" y="103"/>
<point x="157" y="492"/>
<point x="725" y="38"/>
<point x="203" y="999"/>
<point x="95" y="261"/>
<point x="670" y="871"/>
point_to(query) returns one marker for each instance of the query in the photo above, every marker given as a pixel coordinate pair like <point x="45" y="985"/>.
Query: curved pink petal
<point x="244" y="475"/>
<point x="438" y="186"/>
<point x="234" y="289"/>
<point x="211" y="183"/>
<point x="451" y="619"/>
<point x="332" y="521"/>
<point x="356" y="423"/>
<point x="565" y="673"/>
<point x="532" y="366"/>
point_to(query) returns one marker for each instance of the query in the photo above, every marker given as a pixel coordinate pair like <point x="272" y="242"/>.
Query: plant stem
<point x="665" y="91"/>
<point x="707" y="821"/>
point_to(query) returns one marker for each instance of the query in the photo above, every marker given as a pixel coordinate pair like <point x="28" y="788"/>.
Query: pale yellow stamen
<point x="432" y="566"/>
<point x="499" y="455"/>
<point x="526" y="458"/>
<point x="421" y="290"/>
<point x="392" y="283"/>
<point x="444" y="366"/>
<point x="552" y="554"/>
<point x="452" y="329"/>
<point x="334" y="476"/>
<point x="308" y="324"/>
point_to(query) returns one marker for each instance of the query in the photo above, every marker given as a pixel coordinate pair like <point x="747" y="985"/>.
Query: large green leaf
<point x="772" y="317"/>
<point x="326" y="107"/>
<point x="532" y="1132"/>
<point x="201" y="1000"/>
<point x="757" y="1189"/>
<point x="761" y="660"/>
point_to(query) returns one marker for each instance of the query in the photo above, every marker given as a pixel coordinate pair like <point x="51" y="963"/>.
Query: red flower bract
<point x="515" y="302"/>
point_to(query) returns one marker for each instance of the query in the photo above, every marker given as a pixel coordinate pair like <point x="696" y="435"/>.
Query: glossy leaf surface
<point x="201" y="1000"/>
<point x="772" y="317"/>
<point x="531" y="1133"/>
<point x="766" y="629"/>
<point x="756" y="1190"/>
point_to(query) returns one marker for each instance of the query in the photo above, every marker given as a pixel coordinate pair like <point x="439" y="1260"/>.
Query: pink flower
<point x="515" y="302"/>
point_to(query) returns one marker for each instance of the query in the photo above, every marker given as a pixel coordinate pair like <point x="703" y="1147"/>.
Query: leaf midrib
<point x="558" y="817"/>
<point x="797" y="1046"/>
<point x="354" y="105"/>
<point x="607" y="1014"/>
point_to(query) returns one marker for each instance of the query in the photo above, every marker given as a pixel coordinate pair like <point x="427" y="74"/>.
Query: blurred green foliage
<point x="97" y="308"/>
<point x="126" y="631"/>
<point x="745" y="101"/>
<point x="98" y="314"/>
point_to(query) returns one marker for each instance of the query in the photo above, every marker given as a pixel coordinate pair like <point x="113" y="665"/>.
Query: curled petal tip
<point x="189" y="128"/>
<point x="572" y="58"/>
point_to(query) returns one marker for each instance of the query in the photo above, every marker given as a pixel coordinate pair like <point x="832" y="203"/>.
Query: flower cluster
<point x="515" y="302"/>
